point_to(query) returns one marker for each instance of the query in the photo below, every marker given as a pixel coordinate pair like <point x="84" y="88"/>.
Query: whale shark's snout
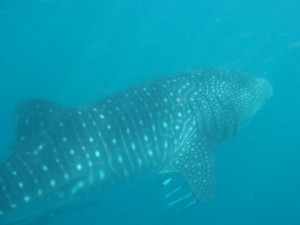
<point x="261" y="92"/>
<point x="253" y="96"/>
<point x="265" y="88"/>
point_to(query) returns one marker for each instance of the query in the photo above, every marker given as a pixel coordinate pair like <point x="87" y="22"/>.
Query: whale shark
<point x="170" y="124"/>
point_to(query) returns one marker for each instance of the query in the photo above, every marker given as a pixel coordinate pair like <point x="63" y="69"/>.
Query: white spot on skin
<point x="120" y="159"/>
<point x="127" y="130"/>
<point x="153" y="128"/>
<point x="79" y="167"/>
<point x="166" y="144"/>
<point x="114" y="141"/>
<point x="101" y="116"/>
<point x="27" y="198"/>
<point x="52" y="183"/>
<point x="14" y="173"/>
<point x="150" y="153"/>
<point x="101" y="174"/>
<point x="40" y="192"/>
<point x="80" y="184"/>
<point x="64" y="139"/>
<point x="133" y="146"/>
<point x="91" y="140"/>
<point x="21" y="185"/>
<point x="145" y="137"/>
<point x="140" y="162"/>
<point x="108" y="127"/>
<point x="97" y="154"/>
<point x="45" y="168"/>
<point x="72" y="152"/>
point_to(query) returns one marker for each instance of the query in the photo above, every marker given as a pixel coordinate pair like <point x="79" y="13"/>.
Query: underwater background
<point x="75" y="52"/>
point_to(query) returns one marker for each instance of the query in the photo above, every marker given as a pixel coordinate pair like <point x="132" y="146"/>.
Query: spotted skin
<point x="164" y="125"/>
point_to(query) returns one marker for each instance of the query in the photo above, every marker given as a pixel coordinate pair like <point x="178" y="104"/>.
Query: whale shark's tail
<point x="24" y="176"/>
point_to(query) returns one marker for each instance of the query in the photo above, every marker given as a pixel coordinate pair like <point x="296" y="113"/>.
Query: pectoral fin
<point x="194" y="161"/>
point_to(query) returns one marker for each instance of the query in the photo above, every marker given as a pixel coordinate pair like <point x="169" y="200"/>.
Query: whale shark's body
<point x="165" y="125"/>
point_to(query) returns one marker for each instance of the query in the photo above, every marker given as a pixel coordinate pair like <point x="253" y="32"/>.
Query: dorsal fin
<point x="32" y="121"/>
<point x="194" y="161"/>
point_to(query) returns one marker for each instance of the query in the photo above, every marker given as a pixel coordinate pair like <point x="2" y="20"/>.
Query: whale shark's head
<point x="252" y="95"/>
<point x="228" y="100"/>
<point x="247" y="94"/>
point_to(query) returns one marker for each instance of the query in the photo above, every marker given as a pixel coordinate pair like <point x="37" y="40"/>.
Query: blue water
<point x="75" y="52"/>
